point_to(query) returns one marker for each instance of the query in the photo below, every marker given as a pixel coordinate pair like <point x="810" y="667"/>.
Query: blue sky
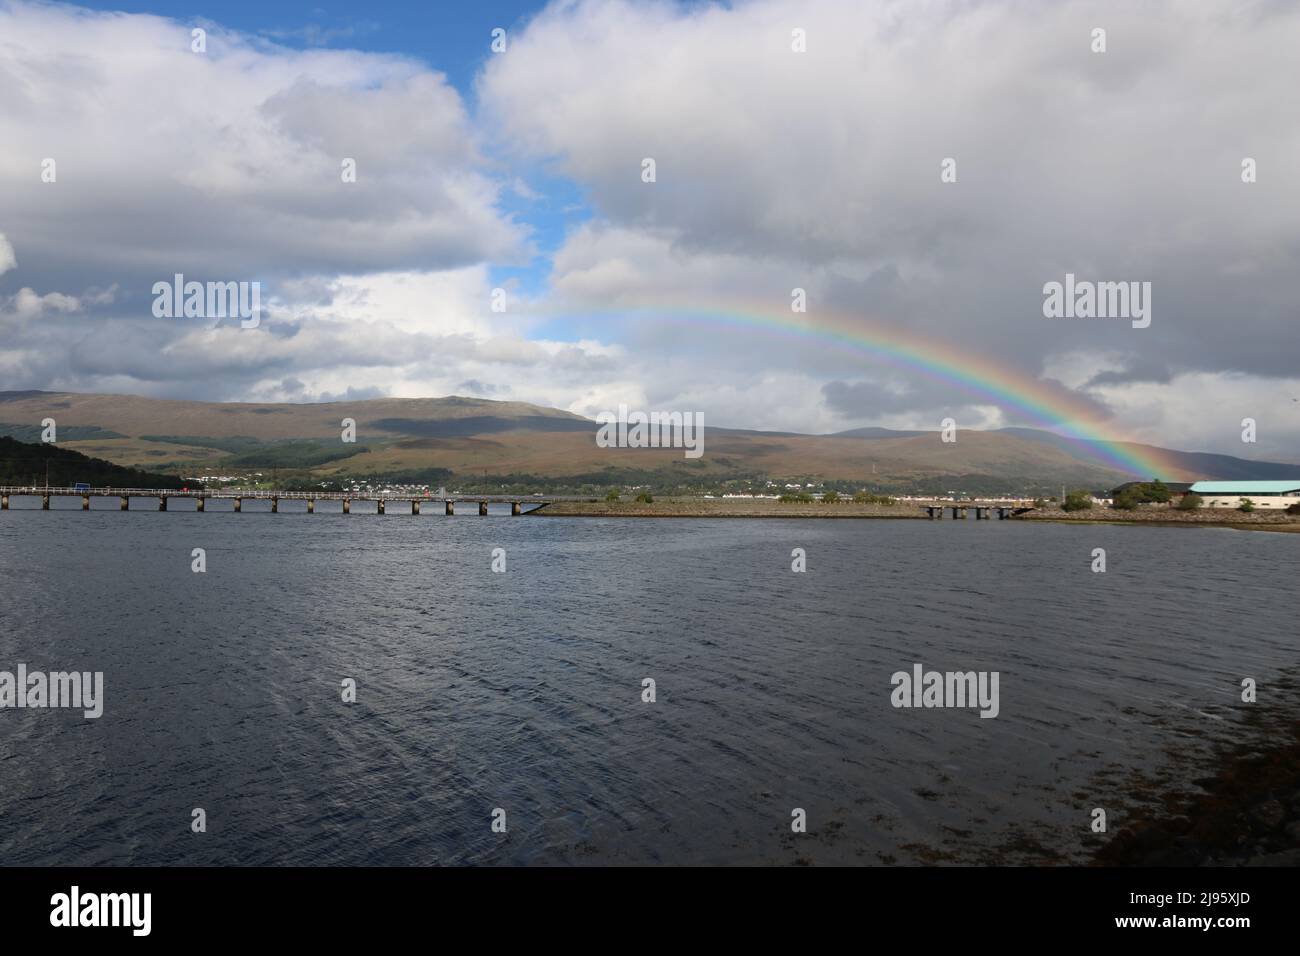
<point x="451" y="36"/>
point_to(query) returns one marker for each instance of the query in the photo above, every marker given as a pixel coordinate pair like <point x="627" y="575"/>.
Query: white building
<point x="1262" y="494"/>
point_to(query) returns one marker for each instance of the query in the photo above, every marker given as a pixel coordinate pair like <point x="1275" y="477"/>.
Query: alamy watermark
<point x="75" y="909"/>
<point x="1098" y="300"/>
<point x="212" y="300"/>
<point x="652" y="430"/>
<point x="37" y="690"/>
<point x="922" y="688"/>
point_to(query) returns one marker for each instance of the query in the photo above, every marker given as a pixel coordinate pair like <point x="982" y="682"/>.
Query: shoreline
<point x="723" y="508"/>
<point x="1170" y="517"/>
<point x="1245" y="812"/>
<point x="902" y="511"/>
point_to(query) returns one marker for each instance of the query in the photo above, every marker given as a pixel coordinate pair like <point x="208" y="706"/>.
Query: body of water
<point x="523" y="690"/>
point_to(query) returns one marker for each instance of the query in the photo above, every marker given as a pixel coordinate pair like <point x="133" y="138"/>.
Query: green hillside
<point x="23" y="463"/>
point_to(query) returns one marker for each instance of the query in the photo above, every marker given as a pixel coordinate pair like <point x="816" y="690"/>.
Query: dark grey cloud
<point x="1141" y="370"/>
<point x="823" y="170"/>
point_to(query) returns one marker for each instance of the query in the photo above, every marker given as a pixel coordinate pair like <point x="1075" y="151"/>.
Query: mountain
<point x="475" y="442"/>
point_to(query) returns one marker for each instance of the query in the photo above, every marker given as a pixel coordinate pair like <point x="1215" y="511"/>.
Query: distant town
<point x="1243" y="496"/>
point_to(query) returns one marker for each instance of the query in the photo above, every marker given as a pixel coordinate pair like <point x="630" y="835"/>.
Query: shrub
<point x="1124" y="501"/>
<point x="1190" y="502"/>
<point x="1246" y="505"/>
<point x="1077" y="501"/>
<point x="1293" y="509"/>
<point x="611" y="495"/>
<point x="831" y="497"/>
<point x="795" y="497"/>
<point x="645" y="498"/>
<point x="867" y="498"/>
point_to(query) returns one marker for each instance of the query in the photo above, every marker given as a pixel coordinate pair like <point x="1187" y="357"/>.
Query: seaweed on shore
<point x="1246" y="812"/>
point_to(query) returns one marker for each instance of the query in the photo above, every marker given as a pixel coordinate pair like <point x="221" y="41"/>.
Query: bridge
<point x="983" y="511"/>
<point x="203" y="495"/>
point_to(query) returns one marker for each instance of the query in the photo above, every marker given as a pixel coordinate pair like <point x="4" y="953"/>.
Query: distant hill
<point x="471" y="442"/>
<point x="871" y="432"/>
<point x="23" y="463"/>
<point x="1193" y="465"/>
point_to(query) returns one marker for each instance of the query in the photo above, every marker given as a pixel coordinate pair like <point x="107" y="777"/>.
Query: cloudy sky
<point x="522" y="170"/>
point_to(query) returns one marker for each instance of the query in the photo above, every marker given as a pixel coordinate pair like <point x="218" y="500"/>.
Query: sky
<point x="522" y="170"/>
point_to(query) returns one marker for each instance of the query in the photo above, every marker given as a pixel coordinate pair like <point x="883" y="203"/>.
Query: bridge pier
<point x="982" y="513"/>
<point x="313" y="497"/>
<point x="958" y="512"/>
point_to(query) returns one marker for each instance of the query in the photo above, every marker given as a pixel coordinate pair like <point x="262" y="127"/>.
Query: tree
<point x="611" y="495"/>
<point x="1189" y="502"/>
<point x="1149" y="492"/>
<point x="831" y="497"/>
<point x="645" y="498"/>
<point x="1125" y="500"/>
<point x="1157" y="491"/>
<point x="1077" y="501"/>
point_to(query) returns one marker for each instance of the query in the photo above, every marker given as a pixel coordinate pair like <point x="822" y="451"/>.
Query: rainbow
<point x="1053" y="408"/>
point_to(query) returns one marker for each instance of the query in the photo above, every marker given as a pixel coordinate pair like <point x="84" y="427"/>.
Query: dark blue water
<point x="522" y="690"/>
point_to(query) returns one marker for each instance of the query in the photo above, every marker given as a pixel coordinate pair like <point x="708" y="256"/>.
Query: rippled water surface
<point x="523" y="690"/>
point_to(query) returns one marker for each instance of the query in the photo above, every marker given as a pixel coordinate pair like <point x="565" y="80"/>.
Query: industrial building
<point x="1262" y="494"/>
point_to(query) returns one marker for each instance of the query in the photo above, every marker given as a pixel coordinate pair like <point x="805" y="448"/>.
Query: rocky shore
<point x="686" y="507"/>
<point x="1253" y="521"/>
<point x="725" y="508"/>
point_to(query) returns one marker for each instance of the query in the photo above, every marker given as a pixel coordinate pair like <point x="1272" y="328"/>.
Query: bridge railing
<point x="267" y="494"/>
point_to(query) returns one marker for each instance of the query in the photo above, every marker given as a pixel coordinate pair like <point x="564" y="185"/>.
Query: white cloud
<point x="228" y="164"/>
<point x="7" y="258"/>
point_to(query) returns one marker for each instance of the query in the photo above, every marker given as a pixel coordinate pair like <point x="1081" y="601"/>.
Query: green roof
<point x="1246" y="487"/>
